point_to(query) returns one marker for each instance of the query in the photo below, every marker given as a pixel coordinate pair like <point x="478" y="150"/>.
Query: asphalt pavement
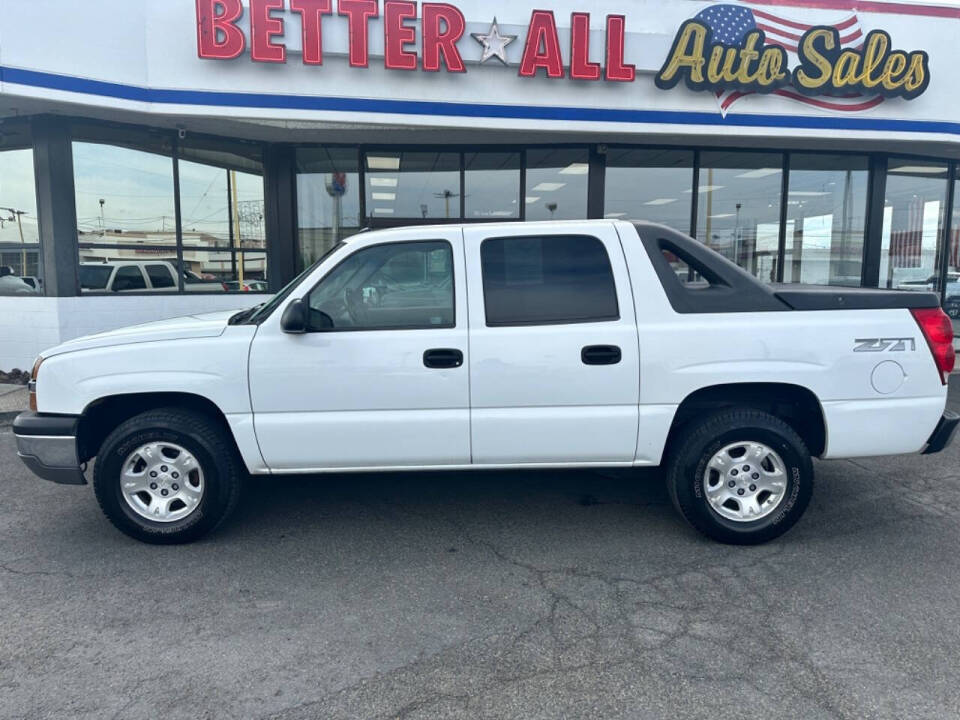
<point x="486" y="595"/>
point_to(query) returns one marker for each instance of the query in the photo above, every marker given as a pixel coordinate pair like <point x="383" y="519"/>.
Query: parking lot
<point x="498" y="595"/>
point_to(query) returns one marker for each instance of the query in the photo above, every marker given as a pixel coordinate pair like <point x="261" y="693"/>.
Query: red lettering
<point x="437" y="42"/>
<point x="263" y="27"/>
<point x="218" y="37"/>
<point x="616" y="69"/>
<point x="358" y="14"/>
<point x="542" y="33"/>
<point x="396" y="35"/>
<point x="311" y="19"/>
<point x="580" y="66"/>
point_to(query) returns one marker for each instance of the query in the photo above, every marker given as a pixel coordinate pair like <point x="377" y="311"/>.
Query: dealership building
<point x="162" y="159"/>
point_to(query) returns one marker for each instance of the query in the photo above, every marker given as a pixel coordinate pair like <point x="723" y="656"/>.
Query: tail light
<point x="225" y="287"/>
<point x="938" y="331"/>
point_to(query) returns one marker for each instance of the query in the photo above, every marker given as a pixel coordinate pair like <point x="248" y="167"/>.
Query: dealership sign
<point x="728" y="50"/>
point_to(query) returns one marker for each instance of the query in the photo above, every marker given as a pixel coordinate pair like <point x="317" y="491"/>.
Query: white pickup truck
<point x="533" y="345"/>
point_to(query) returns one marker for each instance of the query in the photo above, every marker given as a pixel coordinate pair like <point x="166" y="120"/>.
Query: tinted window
<point x="128" y="277"/>
<point x="95" y="277"/>
<point x="542" y="280"/>
<point x="396" y="285"/>
<point x="160" y="276"/>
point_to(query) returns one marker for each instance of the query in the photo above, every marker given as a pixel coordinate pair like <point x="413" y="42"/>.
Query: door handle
<point x="601" y="355"/>
<point x="443" y="358"/>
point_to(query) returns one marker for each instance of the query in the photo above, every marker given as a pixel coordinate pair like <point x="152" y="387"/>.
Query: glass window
<point x="328" y="199"/>
<point x="492" y="185"/>
<point x="124" y="196"/>
<point x="423" y="185"/>
<point x="826" y="218"/>
<point x="649" y="185"/>
<point x="556" y="184"/>
<point x="913" y="216"/>
<point x="390" y="286"/>
<point x="161" y="276"/>
<point x="738" y="208"/>
<point x="544" y="280"/>
<point x="951" y="300"/>
<point x="224" y="271"/>
<point x="128" y="278"/>
<point x="19" y="232"/>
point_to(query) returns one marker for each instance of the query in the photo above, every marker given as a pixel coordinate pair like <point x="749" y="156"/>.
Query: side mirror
<point x="294" y="319"/>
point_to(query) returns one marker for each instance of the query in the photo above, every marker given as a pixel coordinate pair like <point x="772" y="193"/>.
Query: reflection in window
<point x="328" y="199"/>
<point x="123" y="196"/>
<point x="556" y="184"/>
<point x="738" y="208"/>
<point x="219" y="271"/>
<point x="492" y="185"/>
<point x="913" y="217"/>
<point x="649" y="185"/>
<point x="826" y="217"/>
<point x="951" y="302"/>
<point x="423" y="185"/>
<point x="19" y="232"/>
<point x="396" y="285"/>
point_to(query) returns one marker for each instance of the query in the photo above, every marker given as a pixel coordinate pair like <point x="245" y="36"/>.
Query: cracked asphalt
<point x="498" y="595"/>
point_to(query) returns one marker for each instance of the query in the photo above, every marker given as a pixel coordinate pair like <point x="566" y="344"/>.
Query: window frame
<point x="537" y="323"/>
<point x="305" y="298"/>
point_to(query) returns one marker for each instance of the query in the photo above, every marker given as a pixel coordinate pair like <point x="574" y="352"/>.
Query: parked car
<point x="245" y="286"/>
<point x="537" y="345"/>
<point x="148" y="276"/>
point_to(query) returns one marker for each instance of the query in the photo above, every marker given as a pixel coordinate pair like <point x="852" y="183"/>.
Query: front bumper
<point x="943" y="433"/>
<point x="47" y="444"/>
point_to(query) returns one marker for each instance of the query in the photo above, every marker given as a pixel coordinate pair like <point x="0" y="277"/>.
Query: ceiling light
<point x="383" y="211"/>
<point x="919" y="169"/>
<point x="759" y="173"/>
<point x="614" y="215"/>
<point x="548" y="187"/>
<point x="576" y="169"/>
<point x="808" y="193"/>
<point x="706" y="188"/>
<point x="384" y="196"/>
<point x="382" y="181"/>
<point x="532" y="199"/>
<point x="378" y="162"/>
<point x="662" y="201"/>
<point x="721" y="215"/>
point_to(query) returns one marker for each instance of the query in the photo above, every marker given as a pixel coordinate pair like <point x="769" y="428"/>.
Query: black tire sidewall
<point x="690" y="497"/>
<point x="107" y="484"/>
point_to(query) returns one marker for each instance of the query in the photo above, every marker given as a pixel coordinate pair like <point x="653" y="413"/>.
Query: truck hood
<point x="180" y="328"/>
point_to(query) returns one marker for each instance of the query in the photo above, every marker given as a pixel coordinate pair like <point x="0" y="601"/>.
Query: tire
<point x="209" y="468"/>
<point x="706" y="459"/>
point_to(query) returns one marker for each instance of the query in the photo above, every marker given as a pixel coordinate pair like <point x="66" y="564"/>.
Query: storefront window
<point x="826" y="217"/>
<point x="328" y="199"/>
<point x="556" y="184"/>
<point x="19" y="233"/>
<point x="649" y="185"/>
<point x="492" y="185"/>
<point x="408" y="185"/>
<point x="913" y="218"/>
<point x="738" y="208"/>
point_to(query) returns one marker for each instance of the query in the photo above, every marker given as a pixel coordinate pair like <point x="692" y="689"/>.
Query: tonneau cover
<point x="825" y="297"/>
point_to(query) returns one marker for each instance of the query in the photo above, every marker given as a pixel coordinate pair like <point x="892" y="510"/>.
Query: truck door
<point x="380" y="377"/>
<point x="554" y="369"/>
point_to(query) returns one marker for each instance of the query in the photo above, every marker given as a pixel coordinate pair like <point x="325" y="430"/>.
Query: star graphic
<point x="494" y="44"/>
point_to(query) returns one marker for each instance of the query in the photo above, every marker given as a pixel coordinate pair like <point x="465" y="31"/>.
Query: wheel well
<point x="794" y="404"/>
<point x="102" y="416"/>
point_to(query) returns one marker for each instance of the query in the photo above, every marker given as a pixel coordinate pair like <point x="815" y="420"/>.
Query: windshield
<point x="95" y="277"/>
<point x="263" y="312"/>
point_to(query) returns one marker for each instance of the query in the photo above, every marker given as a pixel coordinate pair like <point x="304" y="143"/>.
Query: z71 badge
<point x="885" y="344"/>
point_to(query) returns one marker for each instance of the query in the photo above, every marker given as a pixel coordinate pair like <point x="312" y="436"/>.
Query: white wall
<point x="29" y="325"/>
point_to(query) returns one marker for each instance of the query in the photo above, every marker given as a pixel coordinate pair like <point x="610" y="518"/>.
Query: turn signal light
<point x="938" y="331"/>
<point x="32" y="385"/>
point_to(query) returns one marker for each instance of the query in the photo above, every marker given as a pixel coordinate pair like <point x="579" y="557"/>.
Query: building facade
<point x="161" y="159"/>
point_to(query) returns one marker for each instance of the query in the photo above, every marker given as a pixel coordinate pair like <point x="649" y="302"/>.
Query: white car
<point x="148" y="276"/>
<point x="525" y="345"/>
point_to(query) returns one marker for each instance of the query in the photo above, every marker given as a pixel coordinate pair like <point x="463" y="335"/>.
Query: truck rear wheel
<point x="740" y="476"/>
<point x="167" y="476"/>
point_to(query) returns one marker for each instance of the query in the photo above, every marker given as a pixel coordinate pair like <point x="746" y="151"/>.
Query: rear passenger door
<point x="554" y="370"/>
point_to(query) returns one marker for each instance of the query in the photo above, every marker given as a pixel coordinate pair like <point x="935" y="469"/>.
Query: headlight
<point x="32" y="385"/>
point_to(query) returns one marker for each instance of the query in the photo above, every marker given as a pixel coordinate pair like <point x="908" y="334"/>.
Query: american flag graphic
<point x="730" y="23"/>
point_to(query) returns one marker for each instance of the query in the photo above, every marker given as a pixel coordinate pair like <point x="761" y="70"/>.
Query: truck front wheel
<point x="740" y="476"/>
<point x="167" y="476"/>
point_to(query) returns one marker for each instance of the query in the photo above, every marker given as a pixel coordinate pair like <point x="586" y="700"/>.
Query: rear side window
<point x="545" y="280"/>
<point x="128" y="277"/>
<point x="160" y="276"/>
